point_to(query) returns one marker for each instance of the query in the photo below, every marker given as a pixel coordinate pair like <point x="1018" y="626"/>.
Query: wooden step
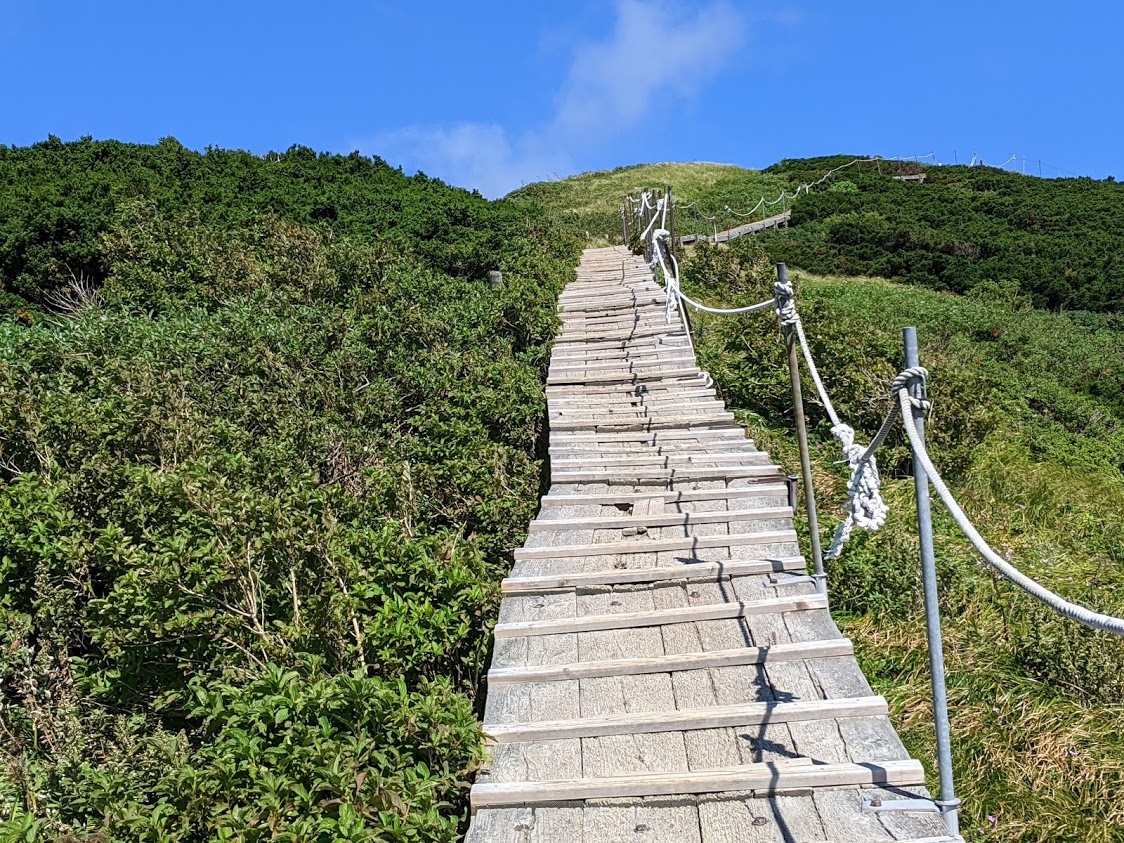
<point x="658" y="617"/>
<point x="766" y="778"/>
<point x="666" y="519"/>
<point x="732" y="433"/>
<point x="714" y="717"/>
<point x="670" y="497"/>
<point x="665" y="475"/>
<point x="782" y="566"/>
<point x="721" y="421"/>
<point x="570" y="551"/>
<point x="669" y="664"/>
<point x="657" y="460"/>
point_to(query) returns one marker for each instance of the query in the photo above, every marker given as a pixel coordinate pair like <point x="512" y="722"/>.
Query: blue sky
<point x="493" y="95"/>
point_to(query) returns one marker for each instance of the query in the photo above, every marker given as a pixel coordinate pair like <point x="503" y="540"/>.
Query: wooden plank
<point x="658" y="460"/>
<point x="636" y="408"/>
<point x="623" y="576"/>
<point x="646" y="424"/>
<point x="732" y="433"/>
<point x="714" y="717"/>
<point x="581" y="397"/>
<point x="766" y="778"/>
<point x="634" y="476"/>
<point x="653" y="374"/>
<point x="655" y="545"/>
<point x="670" y="497"/>
<point x="667" y="664"/>
<point x="669" y="519"/>
<point x="687" y="614"/>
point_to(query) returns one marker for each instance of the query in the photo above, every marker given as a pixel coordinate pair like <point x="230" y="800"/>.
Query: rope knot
<point x="902" y="382"/>
<point x="844" y="434"/>
<point x="785" y="303"/>
<point x="867" y="509"/>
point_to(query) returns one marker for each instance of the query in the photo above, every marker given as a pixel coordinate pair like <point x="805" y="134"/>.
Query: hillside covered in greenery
<point x="1058" y="241"/>
<point x="267" y="437"/>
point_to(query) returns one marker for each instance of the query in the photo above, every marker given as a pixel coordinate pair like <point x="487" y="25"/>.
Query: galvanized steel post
<point x="948" y="803"/>
<point x="790" y="341"/>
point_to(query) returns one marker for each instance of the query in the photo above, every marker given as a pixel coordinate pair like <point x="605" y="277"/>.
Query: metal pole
<point x="671" y="218"/>
<point x="802" y="438"/>
<point x="948" y="803"/>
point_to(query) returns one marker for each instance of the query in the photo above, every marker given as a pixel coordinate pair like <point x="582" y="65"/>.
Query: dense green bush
<point x="1059" y="242"/>
<point x="58" y="199"/>
<point x="258" y="484"/>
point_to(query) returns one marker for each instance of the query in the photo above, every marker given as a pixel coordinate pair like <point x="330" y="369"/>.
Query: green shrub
<point x="256" y="500"/>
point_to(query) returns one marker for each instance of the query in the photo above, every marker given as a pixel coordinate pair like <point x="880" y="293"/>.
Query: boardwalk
<point x="739" y="231"/>
<point x="663" y="671"/>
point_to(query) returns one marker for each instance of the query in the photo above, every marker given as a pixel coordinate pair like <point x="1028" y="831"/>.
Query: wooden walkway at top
<point x="663" y="669"/>
<point x="739" y="231"/>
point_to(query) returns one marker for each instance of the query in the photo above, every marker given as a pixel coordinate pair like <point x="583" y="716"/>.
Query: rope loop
<point x="902" y="381"/>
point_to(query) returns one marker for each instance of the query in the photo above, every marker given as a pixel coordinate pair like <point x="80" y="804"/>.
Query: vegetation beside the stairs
<point x="267" y="437"/>
<point x="1059" y="242"/>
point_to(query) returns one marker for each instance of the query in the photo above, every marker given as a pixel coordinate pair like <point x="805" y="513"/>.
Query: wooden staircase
<point x="664" y="670"/>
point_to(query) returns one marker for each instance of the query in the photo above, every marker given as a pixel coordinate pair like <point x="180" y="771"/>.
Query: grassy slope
<point x="1029" y="422"/>
<point x="589" y="203"/>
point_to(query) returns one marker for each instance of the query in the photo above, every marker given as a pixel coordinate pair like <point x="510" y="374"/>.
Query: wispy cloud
<point x="655" y="50"/>
<point x="475" y="155"/>
<point x="658" y="50"/>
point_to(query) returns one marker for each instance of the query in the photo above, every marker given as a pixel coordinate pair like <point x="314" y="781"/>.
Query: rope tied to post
<point x="784" y="302"/>
<point x="660" y="238"/>
<point x="867" y="510"/>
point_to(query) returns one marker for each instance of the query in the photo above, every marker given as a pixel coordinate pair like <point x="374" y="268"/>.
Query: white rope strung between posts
<point x="660" y="205"/>
<point x="866" y="509"/>
<point x="753" y="308"/>
<point x="672" y="291"/>
<point x="748" y="213"/>
<point x="807" y="187"/>
<point x="1073" y="611"/>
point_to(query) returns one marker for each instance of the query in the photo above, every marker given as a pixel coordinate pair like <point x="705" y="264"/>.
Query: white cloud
<point x="473" y="155"/>
<point x="657" y="52"/>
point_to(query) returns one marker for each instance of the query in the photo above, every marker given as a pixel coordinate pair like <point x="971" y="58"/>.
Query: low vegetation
<point x="589" y="205"/>
<point x="268" y="435"/>
<point x="261" y="470"/>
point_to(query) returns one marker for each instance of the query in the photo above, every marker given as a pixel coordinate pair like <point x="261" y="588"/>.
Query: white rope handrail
<point x="753" y="308"/>
<point x="1073" y="611"/>
<point x="867" y="509"/>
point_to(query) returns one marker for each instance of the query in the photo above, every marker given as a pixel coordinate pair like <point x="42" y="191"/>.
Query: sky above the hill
<point x="494" y="95"/>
